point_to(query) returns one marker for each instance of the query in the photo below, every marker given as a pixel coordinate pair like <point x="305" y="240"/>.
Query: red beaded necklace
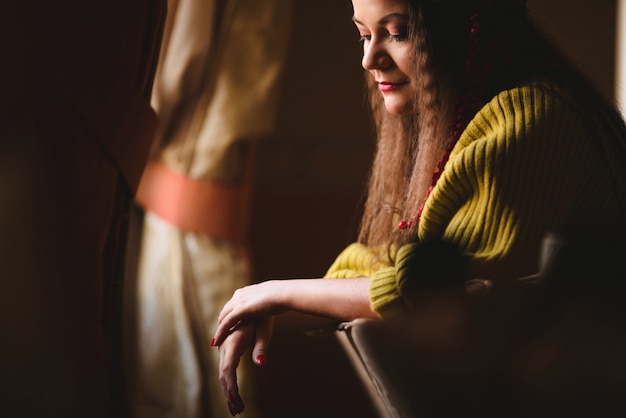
<point x="474" y="78"/>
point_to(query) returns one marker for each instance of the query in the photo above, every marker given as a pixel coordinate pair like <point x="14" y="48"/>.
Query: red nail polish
<point x="213" y="342"/>
<point x="260" y="359"/>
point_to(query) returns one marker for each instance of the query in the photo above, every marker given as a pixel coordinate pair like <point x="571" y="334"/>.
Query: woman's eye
<point x="364" y="38"/>
<point x="397" y="38"/>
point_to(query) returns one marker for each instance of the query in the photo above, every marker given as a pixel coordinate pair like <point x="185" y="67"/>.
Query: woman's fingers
<point x="224" y="328"/>
<point x="228" y="380"/>
<point x="247" y="304"/>
<point x="263" y="335"/>
<point x="233" y="312"/>
<point x="226" y="309"/>
<point x="235" y="404"/>
<point x="231" y="351"/>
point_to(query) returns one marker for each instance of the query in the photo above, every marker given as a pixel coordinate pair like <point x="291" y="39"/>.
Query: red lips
<point x="385" y="86"/>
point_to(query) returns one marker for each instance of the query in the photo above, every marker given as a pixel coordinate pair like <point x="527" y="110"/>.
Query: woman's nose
<point x="375" y="57"/>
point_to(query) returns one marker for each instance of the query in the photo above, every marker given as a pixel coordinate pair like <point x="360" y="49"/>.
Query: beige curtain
<point x="215" y="93"/>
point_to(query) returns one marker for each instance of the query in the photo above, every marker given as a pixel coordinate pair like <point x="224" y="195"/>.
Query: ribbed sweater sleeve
<point x="515" y="173"/>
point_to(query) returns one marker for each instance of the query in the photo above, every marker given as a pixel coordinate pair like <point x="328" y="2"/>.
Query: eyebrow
<point x="392" y="17"/>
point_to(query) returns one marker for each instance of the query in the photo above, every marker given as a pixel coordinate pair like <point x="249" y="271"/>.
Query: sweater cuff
<point x="385" y="299"/>
<point x="405" y="264"/>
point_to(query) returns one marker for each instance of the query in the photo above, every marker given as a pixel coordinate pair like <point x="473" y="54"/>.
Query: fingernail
<point x="260" y="359"/>
<point x="213" y="342"/>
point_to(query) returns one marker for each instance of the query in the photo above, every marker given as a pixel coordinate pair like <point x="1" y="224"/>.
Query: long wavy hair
<point x="461" y="48"/>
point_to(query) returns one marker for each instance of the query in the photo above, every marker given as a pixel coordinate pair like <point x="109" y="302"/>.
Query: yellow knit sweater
<point x="531" y="161"/>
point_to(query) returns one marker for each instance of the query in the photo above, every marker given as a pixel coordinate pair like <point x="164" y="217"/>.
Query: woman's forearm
<point x="342" y="299"/>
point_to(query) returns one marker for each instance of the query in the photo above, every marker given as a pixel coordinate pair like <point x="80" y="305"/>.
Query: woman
<point x="487" y="140"/>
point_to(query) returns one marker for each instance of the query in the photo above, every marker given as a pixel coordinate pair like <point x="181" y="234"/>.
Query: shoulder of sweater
<point x="513" y="116"/>
<point x="540" y="100"/>
<point x="537" y="93"/>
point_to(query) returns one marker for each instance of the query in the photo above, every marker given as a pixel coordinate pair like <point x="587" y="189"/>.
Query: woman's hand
<point x="255" y="335"/>
<point x="250" y="303"/>
<point x="341" y="299"/>
<point x="247" y="318"/>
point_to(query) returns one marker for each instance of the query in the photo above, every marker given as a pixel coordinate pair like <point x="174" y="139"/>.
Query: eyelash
<point x="392" y="38"/>
<point x="398" y="38"/>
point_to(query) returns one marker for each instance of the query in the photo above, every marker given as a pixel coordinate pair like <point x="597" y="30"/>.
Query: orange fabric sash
<point x="195" y="205"/>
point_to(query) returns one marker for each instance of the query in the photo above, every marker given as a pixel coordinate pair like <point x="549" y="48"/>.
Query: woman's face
<point x="383" y="26"/>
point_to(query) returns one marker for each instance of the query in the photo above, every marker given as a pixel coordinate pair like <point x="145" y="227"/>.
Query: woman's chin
<point x="396" y="107"/>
